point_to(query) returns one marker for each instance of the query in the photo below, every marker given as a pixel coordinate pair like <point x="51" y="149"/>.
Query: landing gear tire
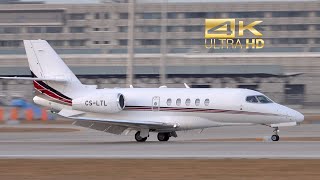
<point x="139" y="138"/>
<point x="163" y="136"/>
<point x="275" y="137"/>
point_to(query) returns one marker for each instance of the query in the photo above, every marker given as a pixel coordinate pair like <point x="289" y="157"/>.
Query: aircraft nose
<point x="296" y="116"/>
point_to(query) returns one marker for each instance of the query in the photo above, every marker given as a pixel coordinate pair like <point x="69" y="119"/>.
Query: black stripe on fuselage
<point x="177" y="109"/>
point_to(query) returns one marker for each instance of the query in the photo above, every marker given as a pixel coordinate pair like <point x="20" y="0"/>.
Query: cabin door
<point x="155" y="103"/>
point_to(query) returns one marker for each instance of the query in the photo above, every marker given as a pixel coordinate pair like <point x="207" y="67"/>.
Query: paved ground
<point x="223" y="142"/>
<point x="161" y="169"/>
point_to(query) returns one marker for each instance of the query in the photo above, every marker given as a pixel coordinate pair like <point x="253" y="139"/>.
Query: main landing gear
<point x="275" y="136"/>
<point x="139" y="138"/>
<point x="162" y="136"/>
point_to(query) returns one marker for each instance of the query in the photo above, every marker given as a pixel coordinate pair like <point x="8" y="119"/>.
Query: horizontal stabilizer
<point x="69" y="113"/>
<point x="35" y="79"/>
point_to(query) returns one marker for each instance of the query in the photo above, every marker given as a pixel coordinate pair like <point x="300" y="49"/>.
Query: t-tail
<point x="50" y="75"/>
<point x="45" y="63"/>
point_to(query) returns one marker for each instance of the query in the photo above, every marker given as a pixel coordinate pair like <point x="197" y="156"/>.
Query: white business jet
<point x="144" y="110"/>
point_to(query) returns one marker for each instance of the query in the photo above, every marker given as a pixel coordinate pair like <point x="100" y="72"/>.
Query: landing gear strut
<point x="139" y="138"/>
<point x="275" y="136"/>
<point x="163" y="136"/>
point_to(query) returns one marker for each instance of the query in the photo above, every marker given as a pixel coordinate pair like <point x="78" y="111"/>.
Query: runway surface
<point x="243" y="142"/>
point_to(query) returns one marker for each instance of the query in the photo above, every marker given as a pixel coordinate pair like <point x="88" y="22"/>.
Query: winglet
<point x="186" y="85"/>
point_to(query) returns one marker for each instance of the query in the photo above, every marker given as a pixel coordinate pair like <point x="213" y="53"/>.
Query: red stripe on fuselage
<point x="49" y="93"/>
<point x="176" y="109"/>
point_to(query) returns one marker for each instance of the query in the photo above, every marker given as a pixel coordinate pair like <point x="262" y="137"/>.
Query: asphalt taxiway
<point x="224" y="142"/>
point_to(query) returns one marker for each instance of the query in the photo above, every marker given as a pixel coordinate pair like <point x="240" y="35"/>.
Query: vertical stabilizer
<point x="44" y="62"/>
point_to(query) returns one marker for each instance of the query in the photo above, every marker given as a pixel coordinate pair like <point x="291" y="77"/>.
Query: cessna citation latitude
<point x="145" y="110"/>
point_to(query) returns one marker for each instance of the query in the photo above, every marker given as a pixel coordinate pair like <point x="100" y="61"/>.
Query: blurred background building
<point x="168" y="45"/>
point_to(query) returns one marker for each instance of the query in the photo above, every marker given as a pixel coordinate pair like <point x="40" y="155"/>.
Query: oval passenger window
<point x="188" y="101"/>
<point x="178" y="102"/>
<point x="197" y="102"/>
<point x="169" y="101"/>
<point x="206" y="102"/>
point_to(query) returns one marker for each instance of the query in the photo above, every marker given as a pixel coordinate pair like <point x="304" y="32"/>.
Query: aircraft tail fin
<point x="45" y="64"/>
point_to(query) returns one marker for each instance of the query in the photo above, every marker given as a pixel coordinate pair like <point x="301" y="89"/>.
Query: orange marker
<point x="14" y="114"/>
<point x="1" y="114"/>
<point x="29" y="114"/>
<point x="44" y="115"/>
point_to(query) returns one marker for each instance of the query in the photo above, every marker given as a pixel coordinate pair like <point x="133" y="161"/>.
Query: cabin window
<point x="178" y="102"/>
<point x="206" y="102"/>
<point x="169" y="101"/>
<point x="197" y="102"/>
<point x="188" y="101"/>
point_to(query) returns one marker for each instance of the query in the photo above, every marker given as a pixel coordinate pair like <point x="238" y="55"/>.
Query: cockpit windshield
<point x="263" y="99"/>
<point x="258" y="99"/>
<point x="252" y="99"/>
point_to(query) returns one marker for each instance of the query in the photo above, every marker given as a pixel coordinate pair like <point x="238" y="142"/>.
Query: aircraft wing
<point x="129" y="123"/>
<point x="113" y="125"/>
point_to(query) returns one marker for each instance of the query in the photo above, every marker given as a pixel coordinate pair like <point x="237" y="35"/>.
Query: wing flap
<point x="101" y="126"/>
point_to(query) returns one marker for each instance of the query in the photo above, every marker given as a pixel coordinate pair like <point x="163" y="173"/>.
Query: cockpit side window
<point x="252" y="99"/>
<point x="263" y="99"/>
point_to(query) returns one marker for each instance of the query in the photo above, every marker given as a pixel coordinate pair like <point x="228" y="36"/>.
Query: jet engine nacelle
<point x="100" y="103"/>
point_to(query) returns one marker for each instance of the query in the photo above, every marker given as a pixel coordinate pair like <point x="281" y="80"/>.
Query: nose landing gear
<point x="275" y="136"/>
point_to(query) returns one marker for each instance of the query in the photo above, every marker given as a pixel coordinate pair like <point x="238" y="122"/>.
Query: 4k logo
<point x="226" y="28"/>
<point x="225" y="34"/>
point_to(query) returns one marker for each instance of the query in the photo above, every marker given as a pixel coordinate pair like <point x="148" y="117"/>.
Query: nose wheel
<point x="275" y="136"/>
